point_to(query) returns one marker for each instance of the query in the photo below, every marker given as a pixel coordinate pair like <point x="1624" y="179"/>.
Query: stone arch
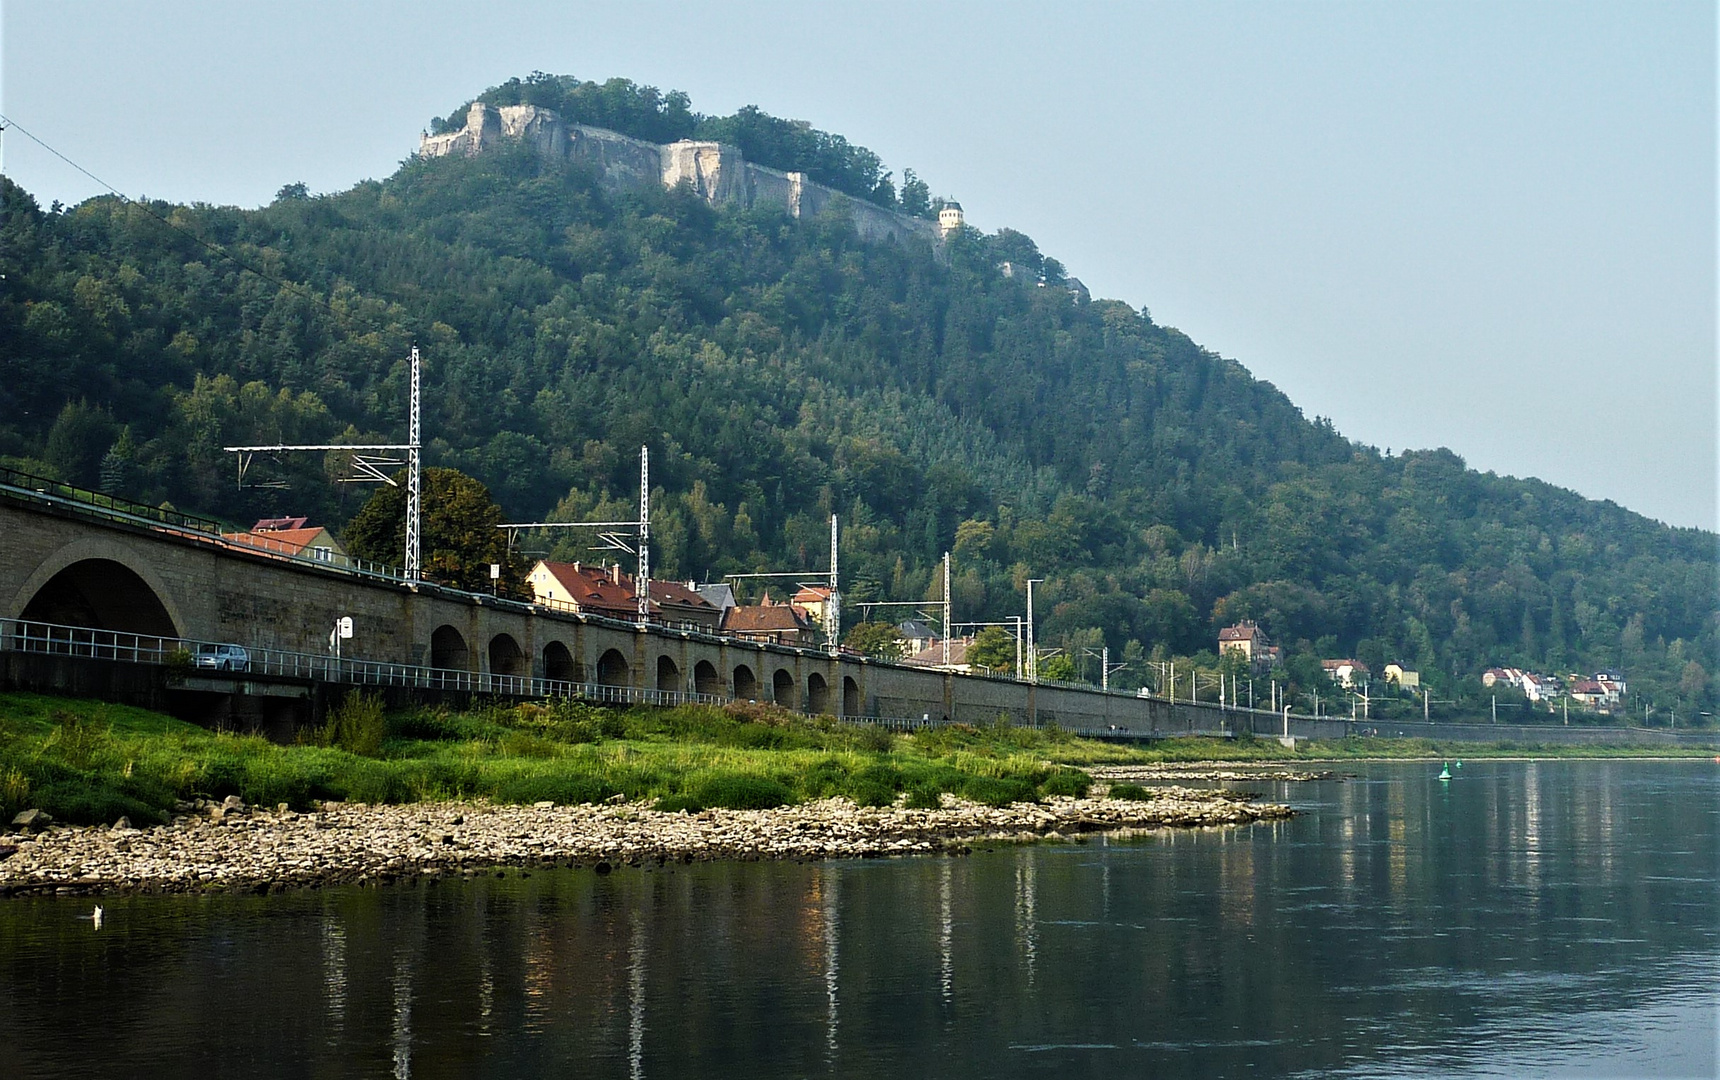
<point x="448" y="649"/>
<point x="612" y="669"/>
<point x="558" y="663"/>
<point x="506" y="657"/>
<point x="668" y="674"/>
<point x="817" y="694"/>
<point x="706" y="680"/>
<point x="105" y="549"/>
<point x="782" y="688"/>
<point x="850" y="696"/>
<point x="746" y="683"/>
<point x="103" y="594"/>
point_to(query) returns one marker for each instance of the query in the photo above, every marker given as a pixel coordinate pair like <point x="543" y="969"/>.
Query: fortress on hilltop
<point x="718" y="173"/>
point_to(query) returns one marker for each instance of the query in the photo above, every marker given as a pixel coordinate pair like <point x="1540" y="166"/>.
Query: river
<point x="1523" y="919"/>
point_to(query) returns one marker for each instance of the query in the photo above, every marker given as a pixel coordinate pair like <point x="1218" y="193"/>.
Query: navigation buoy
<point x="1457" y="765"/>
<point x="1444" y="771"/>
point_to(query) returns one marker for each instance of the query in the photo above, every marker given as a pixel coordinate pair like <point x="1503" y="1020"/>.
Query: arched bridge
<point x="141" y="580"/>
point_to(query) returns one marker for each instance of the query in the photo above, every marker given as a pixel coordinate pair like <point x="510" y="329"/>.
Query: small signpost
<point x="342" y="632"/>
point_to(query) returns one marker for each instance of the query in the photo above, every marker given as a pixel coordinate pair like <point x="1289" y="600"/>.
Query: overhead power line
<point x="8" y="124"/>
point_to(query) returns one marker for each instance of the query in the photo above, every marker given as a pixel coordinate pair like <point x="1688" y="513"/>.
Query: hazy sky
<point x="1483" y="226"/>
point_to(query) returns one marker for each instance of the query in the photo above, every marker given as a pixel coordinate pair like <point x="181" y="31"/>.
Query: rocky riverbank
<point x="229" y="846"/>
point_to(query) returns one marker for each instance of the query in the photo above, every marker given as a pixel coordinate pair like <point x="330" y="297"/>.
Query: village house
<point x="719" y="594"/>
<point x="1535" y="686"/>
<point x="1346" y="672"/>
<point x="584" y="588"/>
<point x="914" y="635"/>
<point x="606" y="590"/>
<point x="773" y="622"/>
<point x="1401" y="677"/>
<point x="291" y="536"/>
<point x="932" y="656"/>
<point x="814" y="600"/>
<point x="1247" y="638"/>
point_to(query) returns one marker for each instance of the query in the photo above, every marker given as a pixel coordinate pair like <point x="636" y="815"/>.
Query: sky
<point x="1490" y="227"/>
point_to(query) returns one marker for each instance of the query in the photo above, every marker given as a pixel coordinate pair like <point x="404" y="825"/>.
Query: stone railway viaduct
<point x="62" y="563"/>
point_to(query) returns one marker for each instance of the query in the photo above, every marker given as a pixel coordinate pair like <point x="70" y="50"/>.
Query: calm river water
<point x="1545" y="919"/>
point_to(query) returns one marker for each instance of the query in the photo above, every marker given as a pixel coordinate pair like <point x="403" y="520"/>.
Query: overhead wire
<point x="8" y="124"/>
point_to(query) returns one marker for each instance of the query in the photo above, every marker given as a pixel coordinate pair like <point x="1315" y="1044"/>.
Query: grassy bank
<point x="90" y="762"/>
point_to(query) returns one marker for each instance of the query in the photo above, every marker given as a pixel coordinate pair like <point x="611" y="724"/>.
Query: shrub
<point x="1133" y="792"/>
<point x="357" y="726"/>
<point x="872" y="737"/>
<point x="1067" y="782"/>
<point x="924" y="795"/>
<point x="996" y="791"/>
<point x="75" y="739"/>
<point x="731" y="791"/>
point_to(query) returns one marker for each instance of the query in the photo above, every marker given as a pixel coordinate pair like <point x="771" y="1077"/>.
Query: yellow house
<point x="1405" y="680"/>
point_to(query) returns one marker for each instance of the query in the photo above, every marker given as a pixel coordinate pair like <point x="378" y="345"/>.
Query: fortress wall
<point x="622" y="163"/>
<point x="717" y="173"/>
<point x="720" y="174"/>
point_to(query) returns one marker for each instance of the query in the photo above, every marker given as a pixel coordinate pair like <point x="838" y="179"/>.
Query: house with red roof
<point x="292" y="537"/>
<point x="768" y="620"/>
<point x="1247" y="638"/>
<point x="608" y="591"/>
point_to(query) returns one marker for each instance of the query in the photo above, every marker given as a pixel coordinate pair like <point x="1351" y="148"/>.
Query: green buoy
<point x="1444" y="771"/>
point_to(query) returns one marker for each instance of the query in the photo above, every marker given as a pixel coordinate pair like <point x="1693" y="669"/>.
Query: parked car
<point x="222" y="658"/>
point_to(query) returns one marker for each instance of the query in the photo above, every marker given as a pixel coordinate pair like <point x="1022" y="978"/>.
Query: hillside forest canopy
<point x="780" y="370"/>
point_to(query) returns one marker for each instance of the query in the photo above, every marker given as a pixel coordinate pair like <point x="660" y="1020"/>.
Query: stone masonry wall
<point x="718" y="173"/>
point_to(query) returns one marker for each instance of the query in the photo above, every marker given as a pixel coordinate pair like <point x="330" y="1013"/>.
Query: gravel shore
<point x="228" y="846"/>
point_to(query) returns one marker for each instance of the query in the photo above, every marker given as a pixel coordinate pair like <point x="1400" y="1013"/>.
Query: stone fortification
<point x="718" y="173"/>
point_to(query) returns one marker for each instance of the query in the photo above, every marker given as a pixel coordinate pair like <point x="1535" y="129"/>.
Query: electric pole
<point x="644" y="535"/>
<point x="833" y="605"/>
<point x="414" y="539"/>
<point x="946" y="610"/>
<point x="1032" y="651"/>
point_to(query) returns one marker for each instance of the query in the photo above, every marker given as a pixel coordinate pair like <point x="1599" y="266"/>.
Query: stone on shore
<point x="258" y="850"/>
<point x="32" y="819"/>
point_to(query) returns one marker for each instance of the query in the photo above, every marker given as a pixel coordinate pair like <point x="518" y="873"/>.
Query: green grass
<point x="89" y="762"/>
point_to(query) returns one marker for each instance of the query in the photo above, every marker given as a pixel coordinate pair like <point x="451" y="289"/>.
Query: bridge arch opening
<point x="782" y="688"/>
<point x="817" y="694"/>
<point x="706" y="680"/>
<point x="104" y="595"/>
<point x="448" y="649"/>
<point x="612" y="669"/>
<point x="506" y="657"/>
<point x="850" y="696"/>
<point x="558" y="663"/>
<point x="668" y="674"/>
<point x="746" y="683"/>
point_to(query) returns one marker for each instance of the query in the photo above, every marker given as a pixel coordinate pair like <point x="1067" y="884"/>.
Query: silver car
<point x="222" y="658"/>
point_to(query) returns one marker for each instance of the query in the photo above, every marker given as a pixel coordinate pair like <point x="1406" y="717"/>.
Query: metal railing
<point x="193" y="658"/>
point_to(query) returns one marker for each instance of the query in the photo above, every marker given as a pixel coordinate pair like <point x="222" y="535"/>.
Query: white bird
<point x="97" y="916"/>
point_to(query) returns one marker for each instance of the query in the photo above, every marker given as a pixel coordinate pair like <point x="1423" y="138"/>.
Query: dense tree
<point x="992" y="649"/>
<point x="460" y="539"/>
<point x="874" y="639"/>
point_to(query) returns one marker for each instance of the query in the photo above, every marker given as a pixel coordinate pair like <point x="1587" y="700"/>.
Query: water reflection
<point x="636" y="999"/>
<point x="946" y="968"/>
<point x="824" y="887"/>
<point x="1399" y="927"/>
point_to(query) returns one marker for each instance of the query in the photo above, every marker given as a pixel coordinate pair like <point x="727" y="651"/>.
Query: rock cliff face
<point x="718" y="173"/>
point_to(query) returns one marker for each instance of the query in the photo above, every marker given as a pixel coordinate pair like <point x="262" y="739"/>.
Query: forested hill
<point x="781" y="370"/>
